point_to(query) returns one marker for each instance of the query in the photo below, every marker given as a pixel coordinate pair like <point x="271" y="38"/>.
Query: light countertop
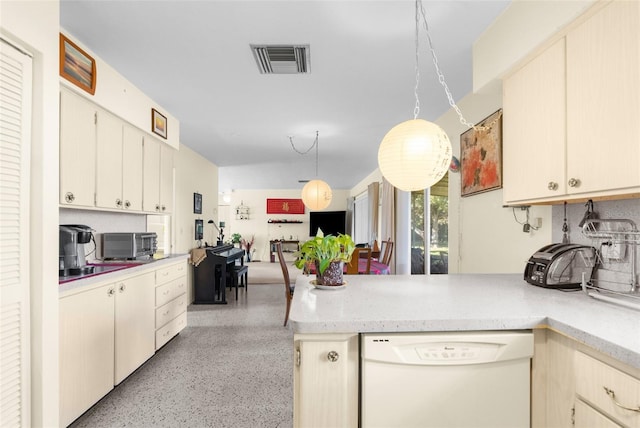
<point x="472" y="302"/>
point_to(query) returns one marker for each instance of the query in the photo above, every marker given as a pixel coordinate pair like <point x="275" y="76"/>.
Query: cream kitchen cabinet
<point x="119" y="166"/>
<point x="87" y="344"/>
<point x="134" y="324"/>
<point x="158" y="177"/>
<point x="568" y="385"/>
<point x="170" y="302"/>
<point x="78" y="119"/>
<point x="605" y="394"/>
<point x="591" y="73"/>
<point x="105" y="334"/>
<point x="326" y="380"/>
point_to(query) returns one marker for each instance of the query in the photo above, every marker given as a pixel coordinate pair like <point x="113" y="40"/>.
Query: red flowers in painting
<point x="480" y="152"/>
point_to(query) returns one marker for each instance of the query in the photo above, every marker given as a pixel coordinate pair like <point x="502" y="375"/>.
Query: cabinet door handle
<point x="333" y="356"/>
<point x="127" y="204"/>
<point x="69" y="197"/>
<point x="612" y="394"/>
<point x="122" y="287"/>
<point x="163" y="208"/>
<point x="111" y="292"/>
<point x="118" y="203"/>
<point x="157" y="207"/>
<point x="552" y="185"/>
<point x="573" y="182"/>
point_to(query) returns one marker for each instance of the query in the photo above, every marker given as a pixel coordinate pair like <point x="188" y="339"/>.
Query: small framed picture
<point x="197" y="203"/>
<point x="77" y="66"/>
<point x="158" y="123"/>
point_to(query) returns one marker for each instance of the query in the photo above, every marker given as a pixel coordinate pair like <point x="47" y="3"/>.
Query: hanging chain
<point x="416" y="109"/>
<point x="452" y="103"/>
<point x="315" y="144"/>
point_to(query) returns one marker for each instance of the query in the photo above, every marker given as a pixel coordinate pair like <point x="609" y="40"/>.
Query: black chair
<point x="238" y="276"/>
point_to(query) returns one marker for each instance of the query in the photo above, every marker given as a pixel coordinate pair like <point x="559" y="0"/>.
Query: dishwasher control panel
<point x="445" y="352"/>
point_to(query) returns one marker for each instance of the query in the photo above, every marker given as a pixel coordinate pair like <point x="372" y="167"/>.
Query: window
<point x="361" y="219"/>
<point x="430" y="229"/>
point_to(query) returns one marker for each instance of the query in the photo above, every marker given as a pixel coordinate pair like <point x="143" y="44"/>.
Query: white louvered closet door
<point x="15" y="142"/>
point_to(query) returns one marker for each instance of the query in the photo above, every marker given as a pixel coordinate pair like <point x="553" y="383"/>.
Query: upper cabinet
<point x="107" y="163"/>
<point x="78" y="119"/>
<point x="570" y="114"/>
<point x="158" y="177"/>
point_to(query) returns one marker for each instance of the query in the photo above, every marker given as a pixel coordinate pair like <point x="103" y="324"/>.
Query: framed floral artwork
<point x="481" y="157"/>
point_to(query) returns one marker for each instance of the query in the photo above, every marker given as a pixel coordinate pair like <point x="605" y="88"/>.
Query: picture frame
<point x="481" y="157"/>
<point x="197" y="203"/>
<point x="77" y="66"/>
<point x="285" y="206"/>
<point x="158" y="123"/>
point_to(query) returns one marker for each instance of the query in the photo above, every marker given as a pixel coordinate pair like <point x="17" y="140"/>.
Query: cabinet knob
<point x="69" y="197"/>
<point x="157" y="207"/>
<point x="573" y="182"/>
<point x="127" y="204"/>
<point x="333" y="356"/>
<point x="163" y="208"/>
<point x="552" y="185"/>
<point x="118" y="203"/>
<point x="111" y="292"/>
<point x="122" y="287"/>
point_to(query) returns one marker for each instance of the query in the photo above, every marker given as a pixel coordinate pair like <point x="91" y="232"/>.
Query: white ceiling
<point x="194" y="59"/>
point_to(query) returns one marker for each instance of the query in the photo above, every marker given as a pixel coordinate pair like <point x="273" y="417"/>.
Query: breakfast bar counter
<point x="464" y="302"/>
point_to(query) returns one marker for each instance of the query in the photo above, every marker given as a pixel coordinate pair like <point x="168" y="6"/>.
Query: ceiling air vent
<point x="282" y="59"/>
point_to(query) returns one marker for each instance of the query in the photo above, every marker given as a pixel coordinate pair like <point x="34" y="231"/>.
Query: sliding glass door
<point x="430" y="229"/>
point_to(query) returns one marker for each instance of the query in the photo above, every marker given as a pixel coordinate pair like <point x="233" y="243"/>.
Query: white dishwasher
<point x="446" y="379"/>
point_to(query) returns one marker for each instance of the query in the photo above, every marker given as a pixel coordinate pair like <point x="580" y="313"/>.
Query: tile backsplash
<point x="103" y="222"/>
<point x="614" y="273"/>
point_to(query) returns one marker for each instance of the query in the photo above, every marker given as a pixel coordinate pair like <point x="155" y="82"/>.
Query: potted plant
<point x="328" y="253"/>
<point x="235" y="238"/>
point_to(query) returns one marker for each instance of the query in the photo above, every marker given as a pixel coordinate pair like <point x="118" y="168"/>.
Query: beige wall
<point x="483" y="236"/>
<point x="258" y="225"/>
<point x="34" y="25"/>
<point x="121" y="97"/>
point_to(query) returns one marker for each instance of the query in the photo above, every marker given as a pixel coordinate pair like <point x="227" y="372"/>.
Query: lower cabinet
<point x="134" y="324"/>
<point x="109" y="330"/>
<point x="326" y="380"/>
<point x="570" y="383"/>
<point x="86" y="350"/>
<point x="605" y="394"/>
<point x="170" y="302"/>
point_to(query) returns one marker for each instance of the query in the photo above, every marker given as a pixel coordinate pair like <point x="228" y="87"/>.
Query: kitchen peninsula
<point x="565" y="324"/>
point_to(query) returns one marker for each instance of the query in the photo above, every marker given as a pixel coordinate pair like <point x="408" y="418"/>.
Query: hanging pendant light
<point x="316" y="194"/>
<point x="416" y="154"/>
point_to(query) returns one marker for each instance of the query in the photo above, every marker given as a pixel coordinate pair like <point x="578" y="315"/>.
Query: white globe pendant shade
<point x="414" y="155"/>
<point x="316" y="195"/>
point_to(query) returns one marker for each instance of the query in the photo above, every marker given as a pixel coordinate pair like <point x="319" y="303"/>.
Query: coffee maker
<point x="72" y="257"/>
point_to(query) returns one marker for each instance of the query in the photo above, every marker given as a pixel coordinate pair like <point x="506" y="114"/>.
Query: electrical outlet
<point x="537" y="222"/>
<point x="613" y="251"/>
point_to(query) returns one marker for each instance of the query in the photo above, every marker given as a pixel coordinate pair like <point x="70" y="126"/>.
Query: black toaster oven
<point x="561" y="266"/>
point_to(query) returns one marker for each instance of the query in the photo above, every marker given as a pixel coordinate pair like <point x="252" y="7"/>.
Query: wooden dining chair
<point x="288" y="288"/>
<point x="358" y="253"/>
<point x="386" y="249"/>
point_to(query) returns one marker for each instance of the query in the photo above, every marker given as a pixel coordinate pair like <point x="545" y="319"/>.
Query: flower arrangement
<point x="247" y="246"/>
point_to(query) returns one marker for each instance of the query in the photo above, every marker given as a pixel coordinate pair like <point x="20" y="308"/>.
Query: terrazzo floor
<point x="230" y="367"/>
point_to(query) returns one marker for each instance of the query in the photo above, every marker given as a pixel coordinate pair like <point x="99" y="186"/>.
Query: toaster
<point x="561" y="266"/>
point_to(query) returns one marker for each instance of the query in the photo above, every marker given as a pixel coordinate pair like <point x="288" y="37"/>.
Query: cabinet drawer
<point x="169" y="273"/>
<point x="593" y="376"/>
<point x="169" y="311"/>
<point x="174" y="327"/>
<point x="587" y="416"/>
<point x="170" y="290"/>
